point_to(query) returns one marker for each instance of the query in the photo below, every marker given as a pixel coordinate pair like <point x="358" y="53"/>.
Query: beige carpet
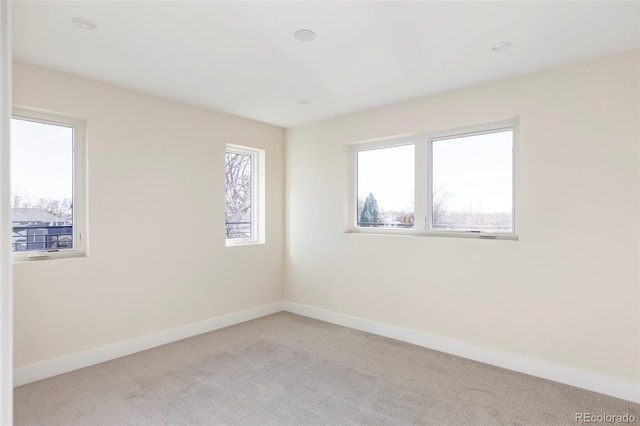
<point x="289" y="370"/>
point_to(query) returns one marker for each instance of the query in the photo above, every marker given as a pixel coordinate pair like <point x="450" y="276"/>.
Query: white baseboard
<point x="607" y="385"/>
<point x="43" y="370"/>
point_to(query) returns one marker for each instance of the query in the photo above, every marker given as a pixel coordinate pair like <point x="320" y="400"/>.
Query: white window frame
<point x="424" y="180"/>
<point x="80" y="237"/>
<point x="257" y="195"/>
<point x="353" y="167"/>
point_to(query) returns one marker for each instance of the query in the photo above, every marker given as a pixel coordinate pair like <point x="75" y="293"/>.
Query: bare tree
<point x="407" y="218"/>
<point x="20" y="197"/>
<point x="440" y="201"/>
<point x="238" y="194"/>
<point x="61" y="208"/>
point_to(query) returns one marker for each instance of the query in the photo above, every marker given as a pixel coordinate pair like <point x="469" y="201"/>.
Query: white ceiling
<point x="241" y="57"/>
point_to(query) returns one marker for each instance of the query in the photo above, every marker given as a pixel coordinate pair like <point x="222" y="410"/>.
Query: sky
<point x="388" y="174"/>
<point x="474" y="171"/>
<point x="41" y="160"/>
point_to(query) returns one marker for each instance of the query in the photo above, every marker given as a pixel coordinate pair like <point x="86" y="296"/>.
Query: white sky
<point x="388" y="173"/>
<point x="474" y="171"/>
<point x="41" y="160"/>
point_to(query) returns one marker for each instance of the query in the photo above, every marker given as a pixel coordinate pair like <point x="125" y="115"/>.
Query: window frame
<point x="369" y="146"/>
<point x="257" y="195"/>
<point x="79" y="176"/>
<point x="424" y="180"/>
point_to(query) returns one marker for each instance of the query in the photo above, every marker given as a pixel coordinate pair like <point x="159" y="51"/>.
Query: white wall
<point x="157" y="257"/>
<point x="567" y="292"/>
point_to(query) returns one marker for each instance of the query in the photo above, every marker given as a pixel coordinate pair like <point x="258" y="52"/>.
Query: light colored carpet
<point x="285" y="369"/>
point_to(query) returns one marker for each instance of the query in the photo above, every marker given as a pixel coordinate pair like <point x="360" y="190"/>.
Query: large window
<point x="47" y="185"/>
<point x="458" y="183"/>
<point x="244" y="195"/>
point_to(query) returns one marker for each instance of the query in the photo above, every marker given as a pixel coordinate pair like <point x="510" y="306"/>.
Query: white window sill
<point x="242" y="242"/>
<point x="447" y="234"/>
<point x="67" y="254"/>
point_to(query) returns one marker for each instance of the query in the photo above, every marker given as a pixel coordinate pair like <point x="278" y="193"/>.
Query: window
<point x="472" y="182"/>
<point x="244" y="195"/>
<point x="459" y="183"/>
<point x="47" y="185"/>
<point x="386" y="187"/>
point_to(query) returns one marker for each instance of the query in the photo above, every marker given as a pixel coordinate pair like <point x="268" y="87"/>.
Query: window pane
<point x="472" y="183"/>
<point x="41" y="186"/>
<point x="386" y="187"/>
<point x="238" y="195"/>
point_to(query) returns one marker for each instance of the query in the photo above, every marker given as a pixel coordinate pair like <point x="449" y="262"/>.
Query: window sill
<point x="240" y="243"/>
<point x="446" y="234"/>
<point x="24" y="257"/>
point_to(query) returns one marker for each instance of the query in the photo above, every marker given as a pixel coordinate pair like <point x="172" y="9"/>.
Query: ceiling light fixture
<point x="501" y="47"/>
<point x="304" y="35"/>
<point x="304" y="102"/>
<point x="84" y="23"/>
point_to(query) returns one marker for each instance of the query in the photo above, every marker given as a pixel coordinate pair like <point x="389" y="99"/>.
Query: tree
<point x="440" y="201"/>
<point x="407" y="218"/>
<point x="370" y="213"/>
<point x="20" y="197"/>
<point x="238" y="194"/>
<point x="63" y="209"/>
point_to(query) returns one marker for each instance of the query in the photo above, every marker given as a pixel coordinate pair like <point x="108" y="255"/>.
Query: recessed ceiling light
<point x="84" y="23"/>
<point x="304" y="35"/>
<point x="304" y="102"/>
<point x="500" y="47"/>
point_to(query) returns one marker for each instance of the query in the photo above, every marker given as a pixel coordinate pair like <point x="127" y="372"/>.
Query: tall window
<point x="454" y="183"/>
<point x="47" y="182"/>
<point x="244" y="195"/>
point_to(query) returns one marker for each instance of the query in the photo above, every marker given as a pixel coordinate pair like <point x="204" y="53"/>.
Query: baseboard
<point x="607" y="385"/>
<point x="600" y="383"/>
<point x="43" y="370"/>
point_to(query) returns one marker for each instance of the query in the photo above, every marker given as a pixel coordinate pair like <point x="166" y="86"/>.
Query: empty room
<point x="319" y="213"/>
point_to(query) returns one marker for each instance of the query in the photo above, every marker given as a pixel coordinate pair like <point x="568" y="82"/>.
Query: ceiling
<point x="241" y="57"/>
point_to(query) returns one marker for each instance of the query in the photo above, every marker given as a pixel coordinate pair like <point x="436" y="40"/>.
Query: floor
<point x="285" y="369"/>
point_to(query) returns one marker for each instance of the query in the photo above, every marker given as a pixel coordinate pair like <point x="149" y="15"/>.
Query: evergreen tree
<point x="370" y="211"/>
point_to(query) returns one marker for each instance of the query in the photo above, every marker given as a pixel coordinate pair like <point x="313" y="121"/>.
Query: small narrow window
<point x="244" y="195"/>
<point x="472" y="182"/>
<point x="47" y="185"/>
<point x="385" y="187"/>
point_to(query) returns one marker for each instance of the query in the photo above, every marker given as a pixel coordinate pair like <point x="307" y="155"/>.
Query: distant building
<point x="37" y="229"/>
<point x="31" y="216"/>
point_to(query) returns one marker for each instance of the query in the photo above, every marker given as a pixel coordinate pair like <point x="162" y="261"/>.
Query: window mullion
<point x="422" y="219"/>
